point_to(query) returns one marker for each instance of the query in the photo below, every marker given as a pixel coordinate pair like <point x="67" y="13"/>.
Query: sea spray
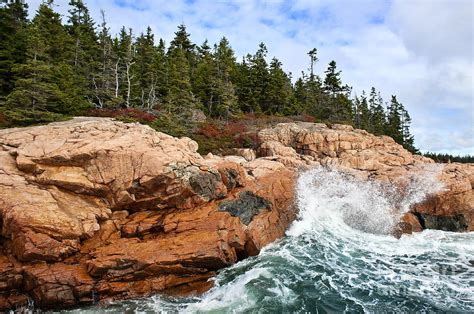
<point x="328" y="196"/>
<point x="339" y="256"/>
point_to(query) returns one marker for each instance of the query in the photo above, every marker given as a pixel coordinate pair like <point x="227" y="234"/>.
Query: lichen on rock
<point x="246" y="206"/>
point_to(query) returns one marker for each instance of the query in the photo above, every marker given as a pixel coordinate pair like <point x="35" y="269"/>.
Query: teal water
<point x="339" y="257"/>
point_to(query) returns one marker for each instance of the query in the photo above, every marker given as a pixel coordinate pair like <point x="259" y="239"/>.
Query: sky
<point x="419" y="50"/>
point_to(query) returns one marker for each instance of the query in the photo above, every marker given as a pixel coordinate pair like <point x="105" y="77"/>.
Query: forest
<point x="52" y="69"/>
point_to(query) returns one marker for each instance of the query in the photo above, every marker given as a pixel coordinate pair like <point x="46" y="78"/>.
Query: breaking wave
<point x="339" y="256"/>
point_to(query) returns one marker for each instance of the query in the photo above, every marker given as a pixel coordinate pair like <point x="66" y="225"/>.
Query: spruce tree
<point x="205" y="81"/>
<point x="394" y="123"/>
<point x="85" y="56"/>
<point x="13" y="42"/>
<point x="103" y="81"/>
<point x="180" y="98"/>
<point x="244" y="86"/>
<point x="37" y="83"/>
<point x="280" y="92"/>
<point x="364" y="113"/>
<point x="339" y="106"/>
<point x="260" y="78"/>
<point x="145" y="72"/>
<point x="225" y="72"/>
<point x="377" y="113"/>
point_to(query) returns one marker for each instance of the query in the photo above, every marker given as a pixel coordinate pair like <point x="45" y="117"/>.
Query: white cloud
<point x="420" y="50"/>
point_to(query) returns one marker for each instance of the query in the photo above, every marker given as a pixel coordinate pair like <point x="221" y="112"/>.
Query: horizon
<point x="420" y="51"/>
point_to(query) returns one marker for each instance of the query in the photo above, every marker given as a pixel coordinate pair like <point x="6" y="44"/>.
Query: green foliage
<point x="448" y="158"/>
<point x="13" y="40"/>
<point x="49" y="70"/>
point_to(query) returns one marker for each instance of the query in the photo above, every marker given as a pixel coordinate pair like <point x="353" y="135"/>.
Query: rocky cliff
<point x="94" y="209"/>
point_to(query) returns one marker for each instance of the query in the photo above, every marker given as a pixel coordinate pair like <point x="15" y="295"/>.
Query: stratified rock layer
<point x="93" y="209"/>
<point x="379" y="158"/>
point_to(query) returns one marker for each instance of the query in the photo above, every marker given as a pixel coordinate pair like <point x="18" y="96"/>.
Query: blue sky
<point x="420" y="50"/>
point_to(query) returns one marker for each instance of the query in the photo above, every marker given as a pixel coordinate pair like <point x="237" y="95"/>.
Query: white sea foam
<point x="339" y="256"/>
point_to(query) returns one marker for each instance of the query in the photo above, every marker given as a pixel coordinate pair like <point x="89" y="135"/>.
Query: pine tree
<point x="145" y="70"/>
<point x="180" y="98"/>
<point x="394" y="123"/>
<point x="339" y="106"/>
<point x="260" y="78"/>
<point x="103" y="80"/>
<point x="85" y="48"/>
<point x="377" y="113"/>
<point x="13" y="41"/>
<point x="225" y="67"/>
<point x="37" y="85"/>
<point x="361" y="114"/>
<point x="280" y="92"/>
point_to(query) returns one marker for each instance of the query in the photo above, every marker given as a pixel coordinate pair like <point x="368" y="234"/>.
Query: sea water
<point x="340" y="256"/>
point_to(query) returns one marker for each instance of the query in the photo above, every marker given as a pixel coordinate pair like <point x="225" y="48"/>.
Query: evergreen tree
<point x="103" y="81"/>
<point x="37" y="80"/>
<point x="361" y="112"/>
<point x="125" y="60"/>
<point x="180" y="97"/>
<point x="13" y="42"/>
<point x="260" y="79"/>
<point x="86" y="50"/>
<point x="377" y="113"/>
<point x="394" y="125"/>
<point x="339" y="106"/>
<point x="332" y="80"/>
<point x="161" y="72"/>
<point x="145" y="70"/>
<point x="225" y="67"/>
<point x="205" y="81"/>
<point x="35" y="86"/>
<point x="244" y="86"/>
<point x="280" y="92"/>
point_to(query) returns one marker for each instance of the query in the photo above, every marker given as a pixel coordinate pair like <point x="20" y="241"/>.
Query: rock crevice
<point x="93" y="209"/>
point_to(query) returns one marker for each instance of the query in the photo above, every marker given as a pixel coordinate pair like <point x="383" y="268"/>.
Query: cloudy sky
<point x="419" y="50"/>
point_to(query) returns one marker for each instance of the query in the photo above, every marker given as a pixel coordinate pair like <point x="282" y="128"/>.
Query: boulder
<point x="93" y="209"/>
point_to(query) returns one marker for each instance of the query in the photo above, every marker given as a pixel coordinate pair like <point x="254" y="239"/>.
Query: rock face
<point x="93" y="209"/>
<point x="380" y="158"/>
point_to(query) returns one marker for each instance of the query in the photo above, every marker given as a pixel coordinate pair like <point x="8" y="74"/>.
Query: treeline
<point x="445" y="158"/>
<point x="49" y="69"/>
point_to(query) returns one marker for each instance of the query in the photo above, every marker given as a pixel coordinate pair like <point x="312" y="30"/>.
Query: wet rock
<point x="94" y="209"/>
<point x="456" y="223"/>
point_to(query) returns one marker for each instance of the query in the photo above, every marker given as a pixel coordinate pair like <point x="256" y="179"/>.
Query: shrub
<point x="209" y="130"/>
<point x="126" y="114"/>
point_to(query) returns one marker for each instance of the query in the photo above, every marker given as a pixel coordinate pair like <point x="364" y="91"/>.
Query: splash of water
<point x="338" y="256"/>
<point x="338" y="200"/>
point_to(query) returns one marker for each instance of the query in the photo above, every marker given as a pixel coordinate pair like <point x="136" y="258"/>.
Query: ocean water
<point x="339" y="256"/>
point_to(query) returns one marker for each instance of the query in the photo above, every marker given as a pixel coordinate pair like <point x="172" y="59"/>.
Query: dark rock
<point x="204" y="184"/>
<point x="246" y="206"/>
<point x="455" y="223"/>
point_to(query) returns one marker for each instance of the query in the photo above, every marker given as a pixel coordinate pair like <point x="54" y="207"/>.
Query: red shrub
<point x="246" y="140"/>
<point x="3" y="120"/>
<point x="209" y="130"/>
<point x="308" y="118"/>
<point x="234" y="128"/>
